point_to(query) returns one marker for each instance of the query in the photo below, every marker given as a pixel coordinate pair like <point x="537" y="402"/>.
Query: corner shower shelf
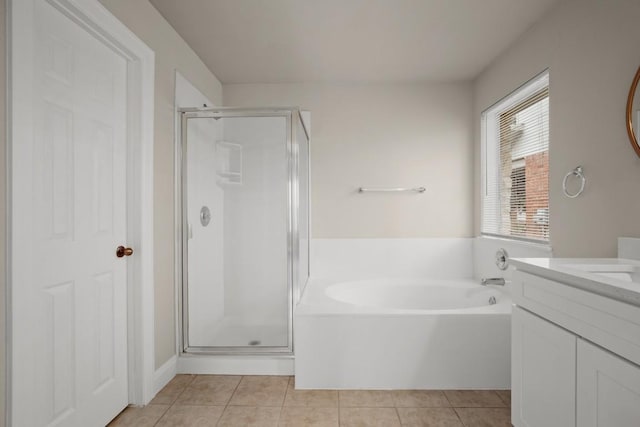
<point x="229" y="162"/>
<point x="227" y="174"/>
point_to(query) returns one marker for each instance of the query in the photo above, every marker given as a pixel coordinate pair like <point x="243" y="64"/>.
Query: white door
<point x="69" y="302"/>
<point x="543" y="372"/>
<point x="608" y="389"/>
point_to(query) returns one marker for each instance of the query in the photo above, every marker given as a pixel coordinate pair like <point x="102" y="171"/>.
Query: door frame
<point x="97" y="20"/>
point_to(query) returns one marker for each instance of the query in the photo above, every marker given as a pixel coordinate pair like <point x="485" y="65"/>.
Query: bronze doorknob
<point x="122" y="251"/>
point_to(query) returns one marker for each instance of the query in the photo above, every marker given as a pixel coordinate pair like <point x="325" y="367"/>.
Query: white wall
<point x="385" y="135"/>
<point x="171" y="53"/>
<point x="592" y="50"/>
<point x="356" y="259"/>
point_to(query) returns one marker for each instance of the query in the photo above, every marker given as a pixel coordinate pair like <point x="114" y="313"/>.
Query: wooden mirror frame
<point x="632" y="92"/>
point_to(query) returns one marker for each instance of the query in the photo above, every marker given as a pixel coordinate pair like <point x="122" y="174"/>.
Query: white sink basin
<point x="624" y="272"/>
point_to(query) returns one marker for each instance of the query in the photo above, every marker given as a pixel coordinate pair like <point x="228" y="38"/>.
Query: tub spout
<point x="498" y="281"/>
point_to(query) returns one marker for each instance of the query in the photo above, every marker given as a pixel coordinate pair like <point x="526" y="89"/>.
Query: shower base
<point x="239" y="332"/>
<point x="215" y="351"/>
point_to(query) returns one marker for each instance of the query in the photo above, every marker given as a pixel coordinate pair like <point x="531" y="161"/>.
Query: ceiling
<point x="287" y="41"/>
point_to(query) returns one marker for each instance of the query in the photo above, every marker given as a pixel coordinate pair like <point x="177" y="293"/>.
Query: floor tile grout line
<point x="162" y="416"/>
<point x="174" y="401"/>
<point x="398" y="415"/>
<point x="182" y="392"/>
<point x="286" y="390"/>
<point x="339" y="408"/>
<point x="499" y="397"/>
<point x="455" y="411"/>
<point x="504" y="400"/>
<point x="178" y="397"/>
<point x="242" y="377"/>
<point x="192" y="380"/>
<point x="293" y="386"/>
<point x="447" y="397"/>
<point x="229" y="400"/>
<point x="280" y="415"/>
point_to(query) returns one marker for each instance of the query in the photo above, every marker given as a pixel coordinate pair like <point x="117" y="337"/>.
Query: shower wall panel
<point x="255" y="212"/>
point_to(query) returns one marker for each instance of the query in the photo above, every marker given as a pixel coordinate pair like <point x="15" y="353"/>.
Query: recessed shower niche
<point x="244" y="270"/>
<point x="229" y="162"/>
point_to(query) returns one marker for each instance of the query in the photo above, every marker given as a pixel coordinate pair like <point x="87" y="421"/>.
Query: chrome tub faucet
<point x="498" y="281"/>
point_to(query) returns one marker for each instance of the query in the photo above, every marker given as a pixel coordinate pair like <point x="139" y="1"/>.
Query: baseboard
<point x="164" y="374"/>
<point x="235" y="365"/>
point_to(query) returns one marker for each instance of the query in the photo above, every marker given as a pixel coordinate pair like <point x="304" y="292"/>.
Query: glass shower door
<point x="240" y="210"/>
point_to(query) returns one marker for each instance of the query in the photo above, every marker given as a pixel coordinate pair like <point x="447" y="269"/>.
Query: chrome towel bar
<point x="392" y="190"/>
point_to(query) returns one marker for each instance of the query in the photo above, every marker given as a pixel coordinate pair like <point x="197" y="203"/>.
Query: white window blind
<point x="515" y="164"/>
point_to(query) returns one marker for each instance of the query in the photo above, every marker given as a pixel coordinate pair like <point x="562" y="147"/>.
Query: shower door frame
<point x="182" y="255"/>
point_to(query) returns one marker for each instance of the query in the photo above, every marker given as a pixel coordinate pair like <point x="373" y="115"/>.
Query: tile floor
<point x="228" y="400"/>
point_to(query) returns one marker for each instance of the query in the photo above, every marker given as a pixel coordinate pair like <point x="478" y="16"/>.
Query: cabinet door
<point x="608" y="389"/>
<point x="543" y="370"/>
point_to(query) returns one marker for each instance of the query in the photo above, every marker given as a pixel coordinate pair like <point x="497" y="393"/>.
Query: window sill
<point x="544" y="247"/>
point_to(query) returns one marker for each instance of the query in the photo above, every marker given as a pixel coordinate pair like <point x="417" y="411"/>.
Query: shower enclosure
<point x="244" y="237"/>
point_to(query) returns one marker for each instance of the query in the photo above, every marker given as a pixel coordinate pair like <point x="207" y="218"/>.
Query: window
<point x="515" y="164"/>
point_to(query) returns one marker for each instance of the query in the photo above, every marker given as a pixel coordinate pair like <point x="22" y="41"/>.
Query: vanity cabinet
<point x="575" y="357"/>
<point x="543" y="378"/>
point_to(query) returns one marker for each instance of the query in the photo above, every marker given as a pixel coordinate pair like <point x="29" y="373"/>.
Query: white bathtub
<point x="402" y="334"/>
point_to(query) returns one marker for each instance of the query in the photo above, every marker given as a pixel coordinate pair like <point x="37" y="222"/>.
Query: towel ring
<point x="578" y="173"/>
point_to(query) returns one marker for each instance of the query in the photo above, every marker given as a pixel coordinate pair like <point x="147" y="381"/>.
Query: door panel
<point x="542" y="372"/>
<point x="70" y="290"/>
<point x="58" y="368"/>
<point x="608" y="388"/>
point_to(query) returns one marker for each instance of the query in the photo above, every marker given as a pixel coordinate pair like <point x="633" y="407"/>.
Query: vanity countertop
<point x="616" y="278"/>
